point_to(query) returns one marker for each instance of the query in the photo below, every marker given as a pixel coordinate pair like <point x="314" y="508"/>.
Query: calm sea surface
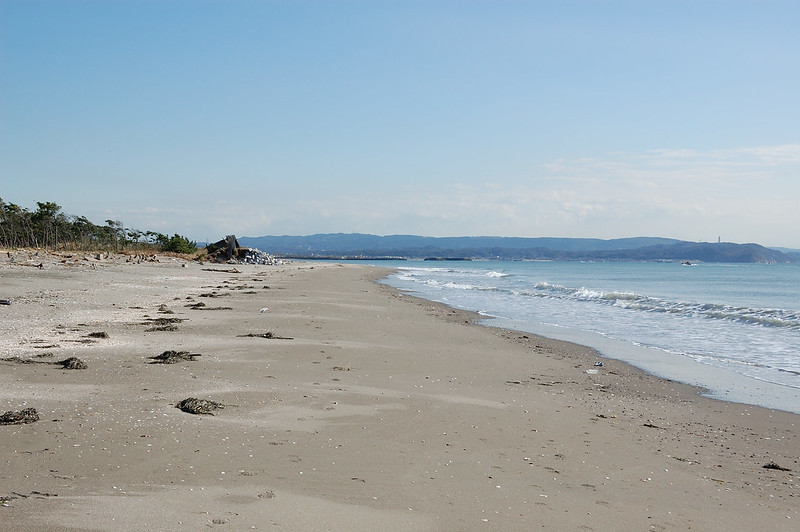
<point x="732" y="328"/>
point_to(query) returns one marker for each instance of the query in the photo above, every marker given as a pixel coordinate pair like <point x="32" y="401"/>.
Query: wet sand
<point x="368" y="409"/>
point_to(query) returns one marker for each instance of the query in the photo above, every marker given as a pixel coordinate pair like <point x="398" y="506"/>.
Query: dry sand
<point x="376" y="411"/>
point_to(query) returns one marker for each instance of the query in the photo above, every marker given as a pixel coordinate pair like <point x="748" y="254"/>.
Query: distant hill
<point x="355" y="245"/>
<point x="793" y="254"/>
<point x="356" y="242"/>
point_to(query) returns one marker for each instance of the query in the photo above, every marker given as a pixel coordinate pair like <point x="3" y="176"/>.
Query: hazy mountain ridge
<point x="356" y="245"/>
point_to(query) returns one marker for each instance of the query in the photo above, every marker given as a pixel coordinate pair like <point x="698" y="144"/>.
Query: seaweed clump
<point x="199" y="406"/>
<point x="71" y="363"/>
<point x="19" y="417"/>
<point x="173" y="357"/>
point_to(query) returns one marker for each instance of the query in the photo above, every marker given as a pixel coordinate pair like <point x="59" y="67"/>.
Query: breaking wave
<point x="481" y="281"/>
<point x="752" y="316"/>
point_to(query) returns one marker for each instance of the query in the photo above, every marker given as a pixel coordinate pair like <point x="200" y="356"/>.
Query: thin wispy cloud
<point x="687" y="194"/>
<point x="663" y="192"/>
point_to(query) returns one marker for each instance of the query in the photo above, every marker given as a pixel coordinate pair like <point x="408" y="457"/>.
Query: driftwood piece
<point x="19" y="417"/>
<point x="773" y="465"/>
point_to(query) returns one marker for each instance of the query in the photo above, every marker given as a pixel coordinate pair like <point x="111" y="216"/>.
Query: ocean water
<point x="733" y="329"/>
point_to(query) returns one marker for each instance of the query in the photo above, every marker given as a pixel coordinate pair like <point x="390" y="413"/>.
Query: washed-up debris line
<point x="173" y="357"/>
<point x="163" y="321"/>
<point x="19" y="417"/>
<point x="199" y="406"/>
<point x="67" y="363"/>
<point x="202" y="306"/>
<point x="20" y="360"/>
<point x="163" y="324"/>
<point x="267" y="335"/>
<point x="5" y="500"/>
<point x="162" y="328"/>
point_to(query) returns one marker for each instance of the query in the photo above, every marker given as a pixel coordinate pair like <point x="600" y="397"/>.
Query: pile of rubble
<point x="256" y="256"/>
<point x="228" y="251"/>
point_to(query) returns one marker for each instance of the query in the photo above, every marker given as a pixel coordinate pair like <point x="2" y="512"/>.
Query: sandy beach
<point x="347" y="406"/>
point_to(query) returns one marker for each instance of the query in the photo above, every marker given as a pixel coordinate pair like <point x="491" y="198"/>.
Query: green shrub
<point x="179" y="244"/>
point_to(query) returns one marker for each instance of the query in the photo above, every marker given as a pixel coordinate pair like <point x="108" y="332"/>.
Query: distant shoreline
<point x="399" y="247"/>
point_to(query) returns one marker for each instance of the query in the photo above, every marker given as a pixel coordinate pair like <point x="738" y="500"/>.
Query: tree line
<point x="50" y="228"/>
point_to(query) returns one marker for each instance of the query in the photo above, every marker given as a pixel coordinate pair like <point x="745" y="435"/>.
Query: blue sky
<point x="542" y="118"/>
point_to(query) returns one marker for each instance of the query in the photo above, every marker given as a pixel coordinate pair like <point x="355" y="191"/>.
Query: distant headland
<point x="373" y="247"/>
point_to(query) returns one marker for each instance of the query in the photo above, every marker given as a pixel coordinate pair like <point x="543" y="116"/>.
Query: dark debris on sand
<point x="163" y="324"/>
<point x="67" y="363"/>
<point x="71" y="363"/>
<point x="19" y="417"/>
<point x="173" y="357"/>
<point x="773" y="465"/>
<point x="20" y="360"/>
<point x="163" y="321"/>
<point x="199" y="406"/>
<point x="202" y="306"/>
<point x="267" y="335"/>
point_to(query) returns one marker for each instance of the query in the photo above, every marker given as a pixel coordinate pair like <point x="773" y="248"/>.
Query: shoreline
<point x="713" y="382"/>
<point x="572" y="346"/>
<point x="373" y="408"/>
<point x="718" y="381"/>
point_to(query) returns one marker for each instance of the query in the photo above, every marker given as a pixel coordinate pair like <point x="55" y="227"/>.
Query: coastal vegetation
<point x="50" y="228"/>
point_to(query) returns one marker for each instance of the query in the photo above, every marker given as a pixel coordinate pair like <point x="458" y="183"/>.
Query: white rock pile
<point x="256" y="256"/>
